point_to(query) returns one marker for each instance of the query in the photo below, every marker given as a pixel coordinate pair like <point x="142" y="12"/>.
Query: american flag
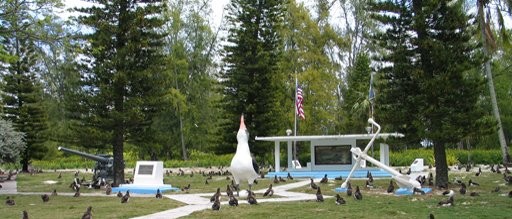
<point x="298" y="102"/>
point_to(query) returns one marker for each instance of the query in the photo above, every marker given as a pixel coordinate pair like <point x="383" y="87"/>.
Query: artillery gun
<point x="104" y="168"/>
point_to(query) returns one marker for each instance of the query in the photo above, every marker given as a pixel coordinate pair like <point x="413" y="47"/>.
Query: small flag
<point x="371" y="92"/>
<point x="298" y="102"/>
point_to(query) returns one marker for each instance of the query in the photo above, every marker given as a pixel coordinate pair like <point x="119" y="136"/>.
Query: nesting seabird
<point x="340" y="200"/>
<point x="473" y="183"/>
<point x="269" y="191"/>
<point x="463" y="189"/>
<point x="349" y="189"/>
<point x="229" y="191"/>
<point x="357" y="194"/>
<point x="312" y="184"/>
<point x="251" y="199"/>
<point x="10" y="201"/>
<point x="215" y="195"/>
<point x="45" y="198"/>
<point x="233" y="201"/>
<point x="158" y="194"/>
<point x="319" y="196"/>
<point x="391" y="187"/>
<point x="324" y="179"/>
<point x="216" y="204"/>
<point x="88" y="213"/>
<point x="126" y="197"/>
<point x="448" y="193"/>
<point x="448" y="202"/>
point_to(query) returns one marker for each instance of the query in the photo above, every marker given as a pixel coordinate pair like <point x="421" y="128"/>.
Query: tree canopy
<point x="251" y="77"/>
<point x="440" y="96"/>
<point x="12" y="143"/>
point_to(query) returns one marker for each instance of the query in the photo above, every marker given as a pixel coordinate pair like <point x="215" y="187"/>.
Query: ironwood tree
<point x="23" y="35"/>
<point x="356" y="103"/>
<point x="122" y="81"/>
<point x="433" y="80"/>
<point x="251" y="79"/>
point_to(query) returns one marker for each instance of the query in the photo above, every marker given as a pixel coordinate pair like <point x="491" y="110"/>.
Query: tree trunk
<point x="441" y="165"/>
<point x="490" y="83"/>
<point x="183" y="147"/>
<point x="118" y="157"/>
<point x="24" y="165"/>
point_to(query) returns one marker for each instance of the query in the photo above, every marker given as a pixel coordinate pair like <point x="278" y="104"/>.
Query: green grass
<point x="63" y="207"/>
<point x="36" y="183"/>
<point x="375" y="204"/>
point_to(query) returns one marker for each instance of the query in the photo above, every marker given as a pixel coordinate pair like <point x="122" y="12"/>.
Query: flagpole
<point x="371" y="99"/>
<point x="295" y="119"/>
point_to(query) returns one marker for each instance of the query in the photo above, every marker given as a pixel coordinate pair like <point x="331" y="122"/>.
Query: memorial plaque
<point x="145" y="170"/>
<point x="333" y="155"/>
<point x="149" y="173"/>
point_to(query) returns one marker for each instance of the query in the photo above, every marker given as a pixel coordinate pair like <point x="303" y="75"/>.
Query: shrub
<point x="201" y="159"/>
<point x="453" y="156"/>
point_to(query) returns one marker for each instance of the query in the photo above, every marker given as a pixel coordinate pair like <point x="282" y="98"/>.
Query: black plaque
<point x="145" y="170"/>
<point x="333" y="155"/>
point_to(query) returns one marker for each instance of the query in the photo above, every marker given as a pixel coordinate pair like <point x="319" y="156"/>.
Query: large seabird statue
<point x="243" y="166"/>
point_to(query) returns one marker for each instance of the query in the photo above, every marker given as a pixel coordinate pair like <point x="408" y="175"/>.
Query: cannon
<point x="104" y="168"/>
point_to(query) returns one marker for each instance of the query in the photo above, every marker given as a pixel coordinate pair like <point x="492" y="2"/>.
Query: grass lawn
<point x="69" y="207"/>
<point x="375" y="204"/>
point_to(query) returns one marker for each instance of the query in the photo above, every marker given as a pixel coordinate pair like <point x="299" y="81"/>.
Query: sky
<point x="216" y="5"/>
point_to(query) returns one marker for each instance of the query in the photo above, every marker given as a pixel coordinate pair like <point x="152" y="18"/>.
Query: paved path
<point x="9" y="187"/>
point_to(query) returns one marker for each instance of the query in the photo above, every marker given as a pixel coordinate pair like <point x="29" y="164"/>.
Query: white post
<point x="289" y="154"/>
<point x="384" y="153"/>
<point x="277" y="154"/>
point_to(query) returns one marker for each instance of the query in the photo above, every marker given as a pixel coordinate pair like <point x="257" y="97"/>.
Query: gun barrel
<point x="86" y="155"/>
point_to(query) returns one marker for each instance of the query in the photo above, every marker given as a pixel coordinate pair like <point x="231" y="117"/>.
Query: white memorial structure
<point x="147" y="178"/>
<point x="149" y="173"/>
<point x="328" y="152"/>
<point x="340" y="153"/>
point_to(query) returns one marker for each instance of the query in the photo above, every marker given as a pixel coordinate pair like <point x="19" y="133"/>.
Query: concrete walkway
<point x="9" y="187"/>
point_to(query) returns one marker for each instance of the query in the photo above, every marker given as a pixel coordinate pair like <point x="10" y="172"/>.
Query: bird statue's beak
<point x="242" y="124"/>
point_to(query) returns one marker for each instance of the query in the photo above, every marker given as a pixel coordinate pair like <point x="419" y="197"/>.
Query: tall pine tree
<point x="22" y="34"/>
<point x="252" y="81"/>
<point x="396" y="83"/>
<point x="355" y="99"/>
<point x="438" y="83"/>
<point x="123" y="84"/>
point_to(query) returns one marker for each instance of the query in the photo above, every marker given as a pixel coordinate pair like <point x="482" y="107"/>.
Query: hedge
<point x="201" y="159"/>
<point x="453" y="156"/>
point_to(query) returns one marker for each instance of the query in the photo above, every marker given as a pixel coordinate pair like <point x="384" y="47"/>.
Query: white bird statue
<point x="243" y="166"/>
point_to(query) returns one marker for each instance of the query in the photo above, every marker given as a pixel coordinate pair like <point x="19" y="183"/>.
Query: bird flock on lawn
<point x="468" y="187"/>
<point x="465" y="187"/>
<point x="76" y="186"/>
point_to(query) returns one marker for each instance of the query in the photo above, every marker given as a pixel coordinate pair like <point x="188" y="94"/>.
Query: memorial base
<point x="143" y="189"/>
